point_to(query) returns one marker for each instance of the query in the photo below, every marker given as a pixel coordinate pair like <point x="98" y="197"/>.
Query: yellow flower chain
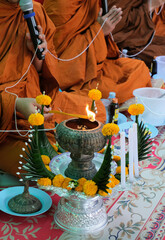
<point x="45" y="159"/>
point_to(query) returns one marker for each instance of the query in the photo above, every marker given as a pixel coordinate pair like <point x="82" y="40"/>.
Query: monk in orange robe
<point x="136" y="31"/>
<point x="77" y="23"/>
<point x="16" y="53"/>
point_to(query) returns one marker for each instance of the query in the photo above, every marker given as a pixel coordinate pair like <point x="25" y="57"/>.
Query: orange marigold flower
<point x="118" y="170"/>
<point x="43" y="99"/>
<point x="102" y="193"/>
<point x="44" y="181"/>
<point x="116" y="181"/>
<point x="95" y="94"/>
<point x="36" y="119"/>
<point x="81" y="181"/>
<point x="126" y="171"/>
<point x="116" y="158"/>
<point x="45" y="159"/>
<point x="48" y="168"/>
<point x="110" y="129"/>
<point x="79" y="188"/>
<point x="111" y="176"/>
<point x="102" y="150"/>
<point x="109" y="190"/>
<point x="136" y="109"/>
<point x="58" y="180"/>
<point x="111" y="184"/>
<point x="66" y="183"/>
<point x="90" y="188"/>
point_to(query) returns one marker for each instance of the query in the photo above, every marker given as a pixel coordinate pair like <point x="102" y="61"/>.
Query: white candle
<point x="122" y="155"/>
<point x="135" y="150"/>
<point x="130" y="140"/>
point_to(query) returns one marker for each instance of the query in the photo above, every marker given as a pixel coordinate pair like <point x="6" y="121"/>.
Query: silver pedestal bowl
<point x="81" y="216"/>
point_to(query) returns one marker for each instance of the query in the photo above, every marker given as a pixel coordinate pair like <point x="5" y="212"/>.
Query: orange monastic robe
<point x="159" y="21"/>
<point x="14" y="61"/>
<point x="135" y="31"/>
<point x="76" y="26"/>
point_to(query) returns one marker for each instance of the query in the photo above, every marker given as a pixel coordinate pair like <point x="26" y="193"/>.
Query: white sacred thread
<point x="71" y="59"/>
<point x="158" y="13"/>
<point x="29" y="131"/>
<point x="134" y="55"/>
<point x="15" y="116"/>
<point x="60" y="59"/>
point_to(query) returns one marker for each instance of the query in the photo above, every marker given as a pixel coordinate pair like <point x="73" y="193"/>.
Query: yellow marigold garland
<point x="43" y="99"/>
<point x="36" y="119"/>
<point x="45" y="159"/>
<point x="102" y="193"/>
<point x="116" y="158"/>
<point x="110" y="129"/>
<point x="48" y="168"/>
<point x="118" y="170"/>
<point x="44" y="181"/>
<point x="136" y="109"/>
<point x="79" y="188"/>
<point x="82" y="181"/>
<point x="95" y="94"/>
<point x="66" y="183"/>
<point x="58" y="180"/>
<point x="90" y="188"/>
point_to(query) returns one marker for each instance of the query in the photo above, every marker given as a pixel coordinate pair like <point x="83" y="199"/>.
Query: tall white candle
<point x="135" y="150"/>
<point x="130" y="140"/>
<point x="122" y="155"/>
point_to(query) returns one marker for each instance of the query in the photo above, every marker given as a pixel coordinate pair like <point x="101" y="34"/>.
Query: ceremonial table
<point x="136" y="213"/>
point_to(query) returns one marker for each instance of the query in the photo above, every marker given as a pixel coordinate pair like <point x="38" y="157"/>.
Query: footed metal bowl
<point x="82" y="138"/>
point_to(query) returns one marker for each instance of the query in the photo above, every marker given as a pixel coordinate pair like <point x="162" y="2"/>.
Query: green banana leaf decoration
<point x="102" y="176"/>
<point x="44" y="144"/>
<point x="34" y="165"/>
<point x="144" y="142"/>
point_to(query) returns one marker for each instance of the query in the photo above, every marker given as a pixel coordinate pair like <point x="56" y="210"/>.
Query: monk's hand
<point x="27" y="106"/>
<point x="112" y="18"/>
<point x="43" y="44"/>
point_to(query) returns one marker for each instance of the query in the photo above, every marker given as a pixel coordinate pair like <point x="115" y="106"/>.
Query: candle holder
<point x="25" y="203"/>
<point x="82" y="138"/>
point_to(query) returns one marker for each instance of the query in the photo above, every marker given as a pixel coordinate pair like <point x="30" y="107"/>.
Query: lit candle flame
<point x="91" y="115"/>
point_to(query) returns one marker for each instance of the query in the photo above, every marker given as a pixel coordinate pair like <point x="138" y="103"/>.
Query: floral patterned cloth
<point x="137" y="213"/>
